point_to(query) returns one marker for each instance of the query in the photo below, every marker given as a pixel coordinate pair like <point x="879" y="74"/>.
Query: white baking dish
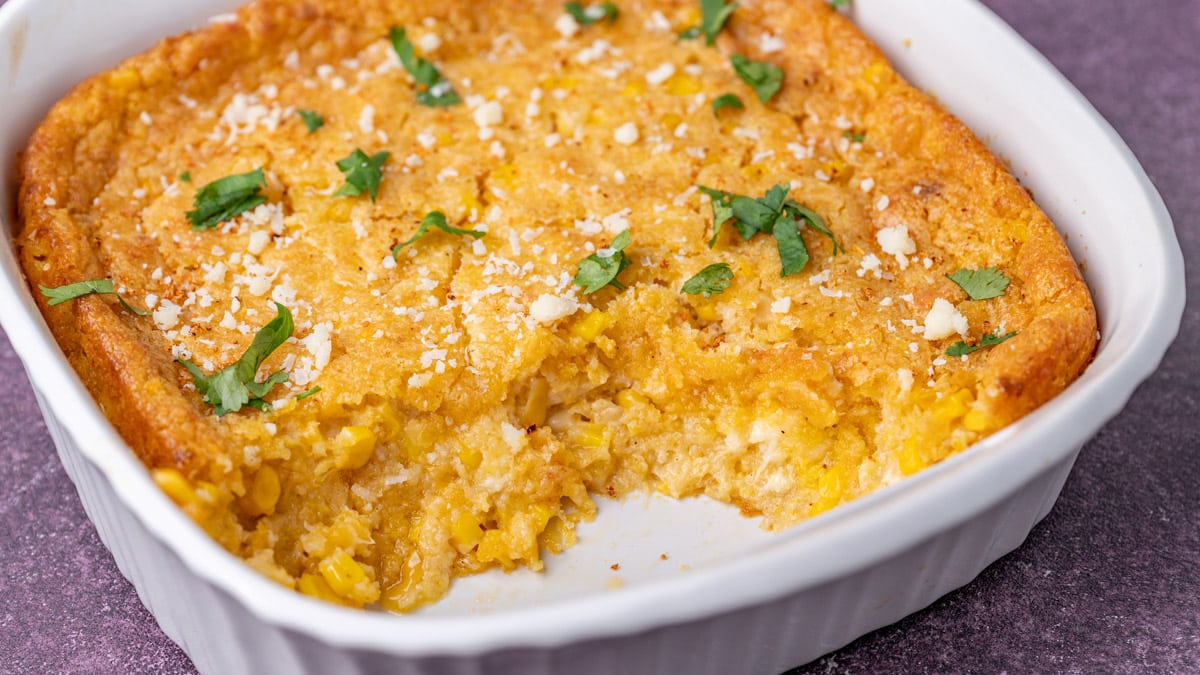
<point x="748" y="601"/>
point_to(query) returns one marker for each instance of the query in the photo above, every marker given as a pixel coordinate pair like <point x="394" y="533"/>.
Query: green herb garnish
<point x="363" y="173"/>
<point x="838" y="4"/>
<point x="726" y="101"/>
<point x="432" y="89"/>
<point x="305" y="394"/>
<point x="711" y="280"/>
<point x="586" y="16"/>
<point x="60" y="294"/>
<point x="981" y="284"/>
<point x="689" y="33"/>
<point x="961" y="348"/>
<point x="765" y="78"/>
<point x="713" y="15"/>
<point x="233" y="387"/>
<point x="772" y="214"/>
<point x="312" y="119"/>
<point x="186" y="176"/>
<point x="434" y="219"/>
<point x="602" y="267"/>
<point x="854" y="137"/>
<point x="227" y="197"/>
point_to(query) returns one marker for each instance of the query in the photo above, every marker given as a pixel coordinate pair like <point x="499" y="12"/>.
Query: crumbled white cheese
<point x="366" y="119"/>
<point x="661" y="74"/>
<point x="781" y="306"/>
<point x="549" y="308"/>
<point x="489" y="114"/>
<point x="944" y="320"/>
<point x="258" y="241"/>
<point x="771" y="43"/>
<point x="904" y="378"/>
<point x="319" y="343"/>
<point x="166" y="316"/>
<point x="566" y="25"/>
<point x="626" y="134"/>
<point x="882" y="203"/>
<point x="895" y="241"/>
<point x="429" y="42"/>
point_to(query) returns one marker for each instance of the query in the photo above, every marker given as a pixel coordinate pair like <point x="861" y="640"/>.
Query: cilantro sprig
<point x="710" y="281"/>
<point x="586" y="16"/>
<point x="772" y="214"/>
<point x="226" y="198"/>
<point x="726" y="101"/>
<point x="61" y="294"/>
<point x="362" y="172"/>
<point x="961" y="348"/>
<point x="432" y="89"/>
<point x="713" y="15"/>
<point x="312" y="119"/>
<point x="602" y="267"/>
<point x="234" y="386"/>
<point x="765" y="78"/>
<point x="981" y="284"/>
<point x="431" y="220"/>
<point x="305" y="394"/>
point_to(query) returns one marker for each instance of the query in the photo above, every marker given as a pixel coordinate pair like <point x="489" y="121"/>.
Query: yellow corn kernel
<point x="534" y="413"/>
<point x="354" y="447"/>
<point x="633" y="88"/>
<point x="682" y="84"/>
<point x="466" y="532"/>
<point x="691" y="18"/>
<point x="207" y="492"/>
<point x="470" y="202"/>
<point x="833" y="168"/>
<point x="591" y="435"/>
<point x="504" y="176"/>
<point x="559" y="82"/>
<point x="671" y="120"/>
<point x="910" y="457"/>
<point x="977" y="420"/>
<point x="830" y="486"/>
<point x="629" y="398"/>
<point x="954" y="406"/>
<point x="470" y="457"/>
<point x="314" y="586"/>
<point x="264" y="492"/>
<point x="875" y="75"/>
<point x="445" y="139"/>
<point x="707" y="311"/>
<point x="754" y="171"/>
<point x="175" y="485"/>
<point x="124" y="79"/>
<point x="590" y="326"/>
<point x="342" y="573"/>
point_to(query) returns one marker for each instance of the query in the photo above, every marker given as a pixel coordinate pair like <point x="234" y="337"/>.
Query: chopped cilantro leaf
<point x="714" y="14"/>
<point x="689" y="33"/>
<point x="60" y="294"/>
<point x="432" y="89"/>
<point x="363" y="173"/>
<point x="233" y="387"/>
<point x="981" y="284"/>
<point x="838" y="4"/>
<point x="726" y="101"/>
<point x="586" y="16"/>
<point x="305" y="394"/>
<point x="186" y="176"/>
<point x="602" y="267"/>
<point x="312" y="120"/>
<point x="961" y="348"/>
<point x="765" y="78"/>
<point x="854" y="136"/>
<point x="773" y="214"/>
<point x="227" y="197"/>
<point x="709" y="281"/>
<point x="434" y="219"/>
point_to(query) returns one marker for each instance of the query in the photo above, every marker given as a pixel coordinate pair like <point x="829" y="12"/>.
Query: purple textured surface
<point x="1107" y="583"/>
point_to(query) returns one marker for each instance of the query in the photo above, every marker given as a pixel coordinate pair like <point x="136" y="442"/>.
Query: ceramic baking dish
<point x="731" y="599"/>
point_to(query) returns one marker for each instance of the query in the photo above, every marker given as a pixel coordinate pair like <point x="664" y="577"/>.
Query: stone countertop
<point x="1106" y="583"/>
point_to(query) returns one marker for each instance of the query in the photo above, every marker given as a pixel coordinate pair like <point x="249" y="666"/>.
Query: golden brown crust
<point x="783" y="409"/>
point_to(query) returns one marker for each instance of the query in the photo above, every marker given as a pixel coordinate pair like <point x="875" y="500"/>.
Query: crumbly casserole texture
<point x="473" y="402"/>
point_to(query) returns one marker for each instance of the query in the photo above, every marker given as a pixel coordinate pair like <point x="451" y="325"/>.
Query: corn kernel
<point x="264" y="492"/>
<point x="591" y="435"/>
<point x="591" y="325"/>
<point x="629" y="398"/>
<point x="754" y="171"/>
<point x="466" y="532"/>
<point x="314" y="586"/>
<point x="343" y="573"/>
<point x="671" y="120"/>
<point x="175" y="485"/>
<point x="707" y="311"/>
<point x="910" y="457"/>
<point x="445" y="139"/>
<point x="633" y="89"/>
<point x="682" y="84"/>
<point x="977" y="420"/>
<point x="559" y="82"/>
<point x="952" y="407"/>
<point x="124" y="79"/>
<point x="354" y="446"/>
<point x="534" y="413"/>
<point x="470" y="457"/>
